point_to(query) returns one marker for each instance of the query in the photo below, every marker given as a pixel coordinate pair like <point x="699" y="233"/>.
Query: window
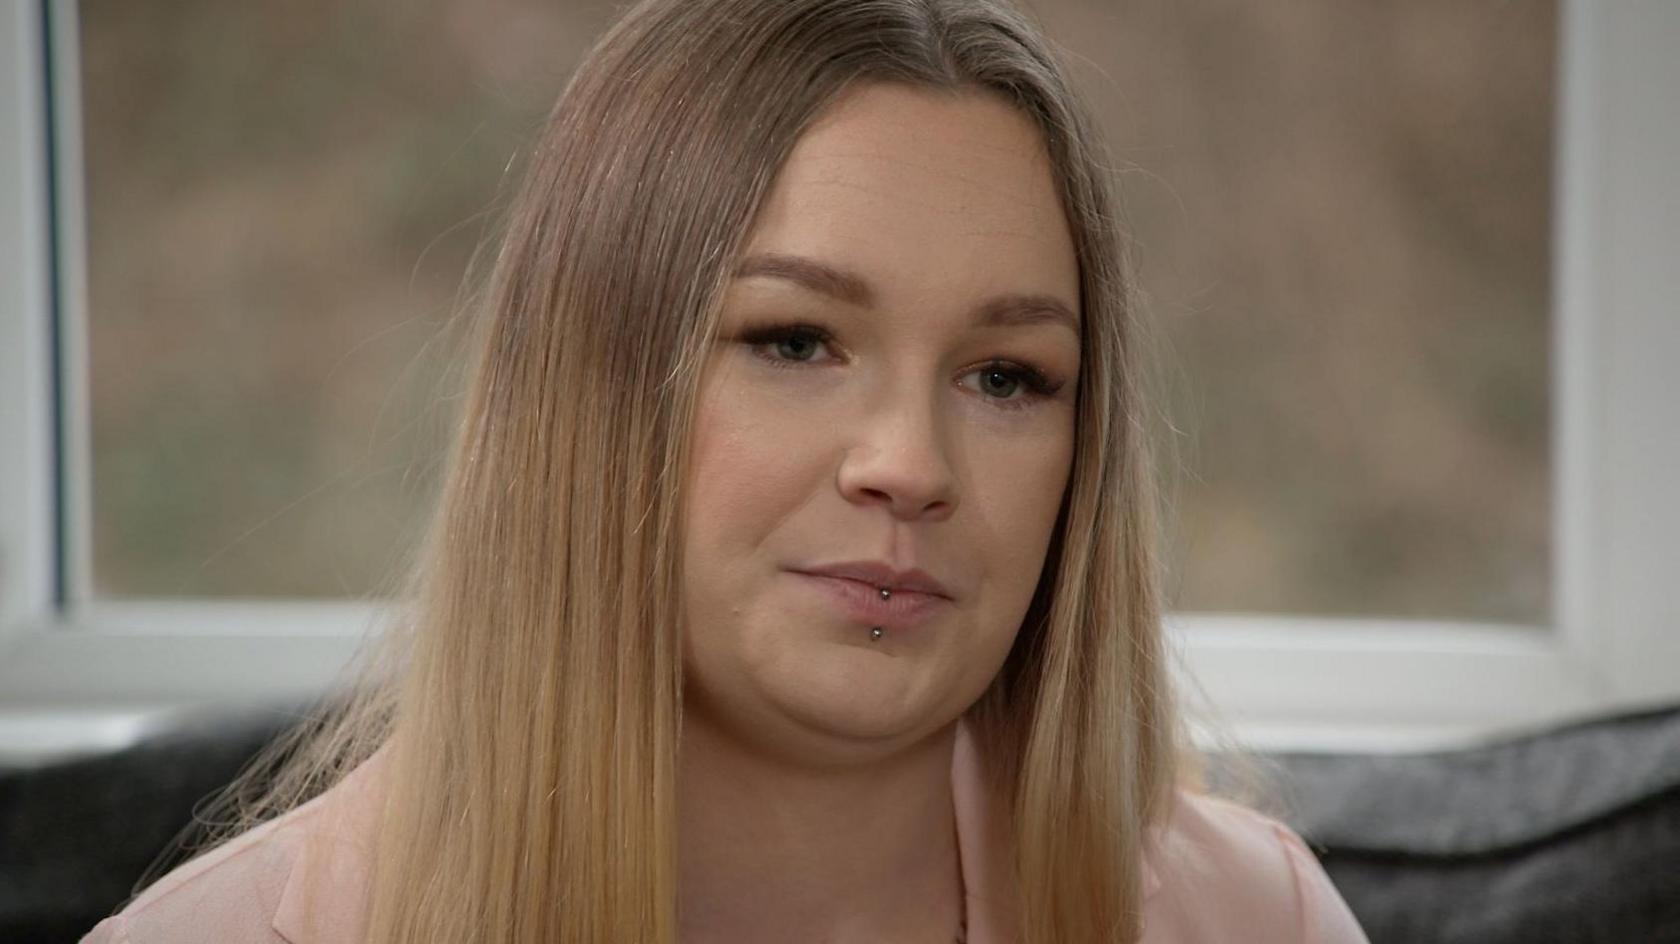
<point x="1413" y="283"/>
<point x="280" y="204"/>
<point x="1343" y="219"/>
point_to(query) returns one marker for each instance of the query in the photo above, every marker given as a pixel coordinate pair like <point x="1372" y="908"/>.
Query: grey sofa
<point x="1572" y="835"/>
<point x="1568" y="836"/>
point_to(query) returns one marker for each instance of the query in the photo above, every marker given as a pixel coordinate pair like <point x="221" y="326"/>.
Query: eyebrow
<point x="1014" y="308"/>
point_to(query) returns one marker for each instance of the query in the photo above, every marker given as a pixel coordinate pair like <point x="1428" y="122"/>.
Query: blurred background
<point x="1340" y="216"/>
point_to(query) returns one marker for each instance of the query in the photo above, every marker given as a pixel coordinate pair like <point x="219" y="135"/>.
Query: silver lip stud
<point x="885" y="593"/>
<point x="875" y="633"/>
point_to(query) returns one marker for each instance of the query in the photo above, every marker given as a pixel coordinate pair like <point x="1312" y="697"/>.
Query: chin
<point x="873" y="704"/>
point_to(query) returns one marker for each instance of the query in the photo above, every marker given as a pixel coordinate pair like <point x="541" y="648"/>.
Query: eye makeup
<point x="767" y="341"/>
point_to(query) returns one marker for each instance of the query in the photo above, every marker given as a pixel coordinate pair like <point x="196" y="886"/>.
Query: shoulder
<point x="298" y="877"/>
<point x="1227" y="872"/>
<point x="230" y="893"/>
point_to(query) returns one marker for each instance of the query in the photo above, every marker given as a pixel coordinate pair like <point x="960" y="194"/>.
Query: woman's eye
<point x="782" y="345"/>
<point x="1006" y="385"/>
<point x="1002" y="381"/>
<point x="998" y="381"/>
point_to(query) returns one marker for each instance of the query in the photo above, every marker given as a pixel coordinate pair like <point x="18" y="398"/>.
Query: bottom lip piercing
<point x="875" y="633"/>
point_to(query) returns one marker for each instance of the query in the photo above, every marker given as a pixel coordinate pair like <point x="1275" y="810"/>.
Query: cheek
<point x="1016" y="500"/>
<point x="745" y="470"/>
<point x="1020" y="476"/>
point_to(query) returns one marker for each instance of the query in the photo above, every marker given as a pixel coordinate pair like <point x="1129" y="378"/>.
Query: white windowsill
<point x="121" y="669"/>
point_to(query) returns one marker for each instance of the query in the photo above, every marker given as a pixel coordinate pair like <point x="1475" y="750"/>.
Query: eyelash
<point x="1037" y="384"/>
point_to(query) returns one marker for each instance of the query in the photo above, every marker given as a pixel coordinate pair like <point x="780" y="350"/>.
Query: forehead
<point x="927" y="194"/>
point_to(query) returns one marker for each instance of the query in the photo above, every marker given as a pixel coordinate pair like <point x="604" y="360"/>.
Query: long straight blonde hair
<point x="530" y="692"/>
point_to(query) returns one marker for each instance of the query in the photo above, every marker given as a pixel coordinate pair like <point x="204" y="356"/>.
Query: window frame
<point x="108" y="668"/>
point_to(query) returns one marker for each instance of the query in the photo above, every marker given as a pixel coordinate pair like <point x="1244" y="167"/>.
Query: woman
<point x="795" y="576"/>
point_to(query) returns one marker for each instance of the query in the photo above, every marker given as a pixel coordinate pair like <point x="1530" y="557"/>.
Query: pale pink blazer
<point x="1218" y="872"/>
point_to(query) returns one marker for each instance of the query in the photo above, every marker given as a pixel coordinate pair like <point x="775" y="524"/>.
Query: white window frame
<point x="78" y="674"/>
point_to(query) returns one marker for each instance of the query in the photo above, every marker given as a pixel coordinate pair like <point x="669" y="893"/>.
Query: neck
<point x="772" y="851"/>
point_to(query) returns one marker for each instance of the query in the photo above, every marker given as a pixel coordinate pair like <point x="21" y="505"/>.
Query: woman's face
<point x="897" y="423"/>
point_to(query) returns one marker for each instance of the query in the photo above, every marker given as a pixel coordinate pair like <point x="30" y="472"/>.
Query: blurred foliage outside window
<point x="1340" y="216"/>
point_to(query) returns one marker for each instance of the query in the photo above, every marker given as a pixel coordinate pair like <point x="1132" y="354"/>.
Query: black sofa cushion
<point x="76" y="835"/>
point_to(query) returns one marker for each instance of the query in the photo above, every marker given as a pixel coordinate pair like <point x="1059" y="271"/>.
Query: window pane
<point x="1342" y="213"/>
<point x="1342" y="222"/>
<point x="282" y="199"/>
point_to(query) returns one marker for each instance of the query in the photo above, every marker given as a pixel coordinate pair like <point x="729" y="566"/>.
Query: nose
<point x="899" y="460"/>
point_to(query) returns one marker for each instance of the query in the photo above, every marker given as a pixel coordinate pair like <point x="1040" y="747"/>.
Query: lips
<point x="861" y="601"/>
<point x="880" y="574"/>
